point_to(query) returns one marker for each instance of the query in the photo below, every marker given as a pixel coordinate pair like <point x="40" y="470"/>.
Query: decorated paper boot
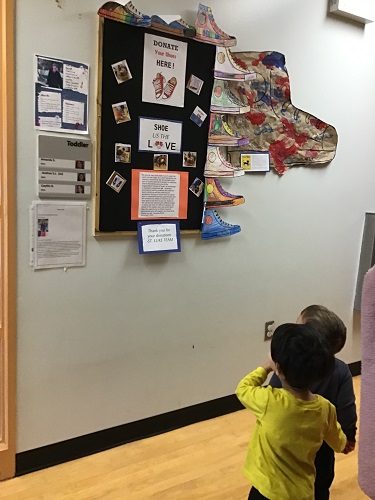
<point x="217" y="166"/>
<point x="137" y="18"/>
<point x="208" y="31"/>
<point x="230" y="67"/>
<point x="214" y="227"/>
<point x="127" y="14"/>
<point x="222" y="135"/>
<point x="224" y="101"/>
<point x="215" y="196"/>
<point x="172" y="24"/>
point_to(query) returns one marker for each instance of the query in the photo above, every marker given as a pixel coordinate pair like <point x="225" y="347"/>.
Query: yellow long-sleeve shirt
<point x="288" y="433"/>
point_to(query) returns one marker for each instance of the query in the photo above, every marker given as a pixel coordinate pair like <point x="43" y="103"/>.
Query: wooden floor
<point x="201" y="461"/>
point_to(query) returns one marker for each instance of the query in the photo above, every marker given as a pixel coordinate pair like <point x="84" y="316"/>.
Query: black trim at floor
<point x="82" y="446"/>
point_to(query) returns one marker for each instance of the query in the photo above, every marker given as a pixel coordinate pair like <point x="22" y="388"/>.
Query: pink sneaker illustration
<point x="169" y="88"/>
<point x="159" y="84"/>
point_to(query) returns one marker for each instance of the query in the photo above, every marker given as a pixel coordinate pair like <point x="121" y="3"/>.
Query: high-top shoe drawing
<point x="127" y="14"/>
<point x="139" y="19"/>
<point x="215" y="196"/>
<point x="169" y="88"/>
<point x="208" y="31"/>
<point x="224" y="101"/>
<point x="217" y="166"/>
<point x="159" y="84"/>
<point x="230" y="67"/>
<point x="172" y="24"/>
<point x="222" y="135"/>
<point x="214" y="227"/>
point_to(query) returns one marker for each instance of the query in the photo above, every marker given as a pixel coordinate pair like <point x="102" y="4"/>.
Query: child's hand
<point x="350" y="445"/>
<point x="267" y="366"/>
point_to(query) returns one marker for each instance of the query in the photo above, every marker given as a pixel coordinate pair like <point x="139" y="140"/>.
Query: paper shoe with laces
<point x="127" y="14"/>
<point x="230" y="67"/>
<point x="215" y="196"/>
<point x="159" y="84"/>
<point x="217" y="166"/>
<point x="214" y="227"/>
<point x="224" y="101"/>
<point x="222" y="135"/>
<point x="208" y="31"/>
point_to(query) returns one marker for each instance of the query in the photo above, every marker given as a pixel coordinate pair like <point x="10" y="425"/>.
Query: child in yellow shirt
<point x="291" y="422"/>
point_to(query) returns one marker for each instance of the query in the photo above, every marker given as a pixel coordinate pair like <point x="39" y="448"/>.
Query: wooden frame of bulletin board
<point x="119" y="42"/>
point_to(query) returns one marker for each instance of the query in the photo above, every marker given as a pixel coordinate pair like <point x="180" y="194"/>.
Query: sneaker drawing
<point x="169" y="88"/>
<point x="127" y="14"/>
<point x="137" y="17"/>
<point x="214" y="227"/>
<point x="208" y="31"/>
<point x="158" y="83"/>
<point x="222" y="135"/>
<point x="217" y="166"/>
<point x="230" y="67"/>
<point x="224" y="101"/>
<point x="172" y="24"/>
<point x="215" y="196"/>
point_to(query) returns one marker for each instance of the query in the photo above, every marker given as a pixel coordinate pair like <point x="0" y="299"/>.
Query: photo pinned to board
<point x="122" y="152"/>
<point x="121" y="112"/>
<point x="195" y="84"/>
<point x="198" y="116"/>
<point x="116" y="181"/>
<point x="160" y="162"/>
<point x="189" y="159"/>
<point x="121" y="71"/>
<point x="197" y="187"/>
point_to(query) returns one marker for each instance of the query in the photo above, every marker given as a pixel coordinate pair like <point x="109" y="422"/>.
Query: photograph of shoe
<point x="159" y="84"/>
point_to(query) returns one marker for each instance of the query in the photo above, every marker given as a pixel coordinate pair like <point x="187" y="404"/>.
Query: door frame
<point x="7" y="245"/>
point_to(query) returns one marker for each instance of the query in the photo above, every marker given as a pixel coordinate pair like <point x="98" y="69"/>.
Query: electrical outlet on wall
<point x="269" y="328"/>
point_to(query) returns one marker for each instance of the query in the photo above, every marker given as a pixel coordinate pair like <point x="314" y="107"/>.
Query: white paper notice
<point x="76" y="78"/>
<point x="73" y="112"/>
<point x="158" y="195"/>
<point x="46" y="122"/>
<point x="58" y="234"/>
<point x="159" y="237"/>
<point x="49" y="102"/>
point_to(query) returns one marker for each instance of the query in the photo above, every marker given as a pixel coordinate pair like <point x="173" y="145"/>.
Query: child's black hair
<point x="302" y="354"/>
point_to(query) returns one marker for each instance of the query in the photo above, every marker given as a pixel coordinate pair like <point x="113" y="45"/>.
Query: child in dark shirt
<point x="337" y="387"/>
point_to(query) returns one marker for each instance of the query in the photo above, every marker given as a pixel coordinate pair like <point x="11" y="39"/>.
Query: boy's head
<point x="327" y="323"/>
<point x="301" y="354"/>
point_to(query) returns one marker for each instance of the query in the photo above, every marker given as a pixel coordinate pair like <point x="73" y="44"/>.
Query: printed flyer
<point x="164" y="67"/>
<point x="61" y="95"/>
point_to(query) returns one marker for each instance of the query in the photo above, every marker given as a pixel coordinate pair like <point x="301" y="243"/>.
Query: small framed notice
<point x="159" y="236"/>
<point x="255" y="161"/>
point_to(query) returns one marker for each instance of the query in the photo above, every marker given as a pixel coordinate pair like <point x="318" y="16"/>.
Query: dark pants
<point x="325" y="471"/>
<point x="255" y="495"/>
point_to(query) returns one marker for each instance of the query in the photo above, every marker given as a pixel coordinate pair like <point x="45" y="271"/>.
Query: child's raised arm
<point x="251" y="393"/>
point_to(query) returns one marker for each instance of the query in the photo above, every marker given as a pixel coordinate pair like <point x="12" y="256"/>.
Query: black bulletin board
<point x="118" y="41"/>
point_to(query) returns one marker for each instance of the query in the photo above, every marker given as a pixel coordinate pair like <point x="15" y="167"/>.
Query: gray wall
<point x="112" y="343"/>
